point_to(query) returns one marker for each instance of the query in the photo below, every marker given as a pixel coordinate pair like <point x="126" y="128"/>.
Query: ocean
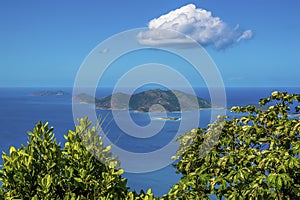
<point x="20" y="110"/>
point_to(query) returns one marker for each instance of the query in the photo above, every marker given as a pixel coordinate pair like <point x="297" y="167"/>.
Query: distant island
<point x="49" y="93"/>
<point x="143" y="101"/>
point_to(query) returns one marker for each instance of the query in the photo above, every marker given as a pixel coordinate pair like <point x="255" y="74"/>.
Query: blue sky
<point x="44" y="43"/>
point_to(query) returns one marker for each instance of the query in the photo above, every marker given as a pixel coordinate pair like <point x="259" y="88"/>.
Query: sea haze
<point x="20" y="110"/>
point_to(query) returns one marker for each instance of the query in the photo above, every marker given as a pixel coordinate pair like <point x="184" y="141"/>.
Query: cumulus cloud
<point x="175" y="27"/>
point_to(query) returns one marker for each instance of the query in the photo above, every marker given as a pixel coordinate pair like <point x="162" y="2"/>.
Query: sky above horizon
<point x="253" y="43"/>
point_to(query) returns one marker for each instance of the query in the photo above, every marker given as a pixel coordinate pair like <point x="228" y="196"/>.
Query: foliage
<point x="42" y="170"/>
<point x="142" y="196"/>
<point x="33" y="170"/>
<point x="256" y="155"/>
<point x="84" y="174"/>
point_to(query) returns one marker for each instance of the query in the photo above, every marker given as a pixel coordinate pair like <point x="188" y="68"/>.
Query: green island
<point x="49" y="93"/>
<point x="144" y="101"/>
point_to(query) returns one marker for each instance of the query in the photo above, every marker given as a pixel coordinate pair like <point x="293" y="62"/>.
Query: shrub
<point x="43" y="170"/>
<point x="256" y="155"/>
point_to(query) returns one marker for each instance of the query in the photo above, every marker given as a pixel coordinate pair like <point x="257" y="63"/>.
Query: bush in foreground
<point x="42" y="170"/>
<point x="256" y="156"/>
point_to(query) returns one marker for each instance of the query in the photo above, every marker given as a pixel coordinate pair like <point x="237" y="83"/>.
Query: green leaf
<point x="12" y="149"/>
<point x="119" y="172"/>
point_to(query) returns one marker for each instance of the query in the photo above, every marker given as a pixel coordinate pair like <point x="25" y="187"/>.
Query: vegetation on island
<point x="253" y="156"/>
<point x="143" y="101"/>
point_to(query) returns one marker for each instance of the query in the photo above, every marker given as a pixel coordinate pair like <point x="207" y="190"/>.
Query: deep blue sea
<point x="20" y="110"/>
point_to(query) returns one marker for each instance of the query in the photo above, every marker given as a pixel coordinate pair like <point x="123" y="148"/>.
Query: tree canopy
<point x="43" y="170"/>
<point x="255" y="156"/>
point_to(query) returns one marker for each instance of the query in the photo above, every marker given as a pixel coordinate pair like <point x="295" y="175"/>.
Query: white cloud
<point x="193" y="22"/>
<point x="248" y="34"/>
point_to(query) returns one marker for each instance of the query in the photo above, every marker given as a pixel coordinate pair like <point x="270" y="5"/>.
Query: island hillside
<point x="143" y="101"/>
